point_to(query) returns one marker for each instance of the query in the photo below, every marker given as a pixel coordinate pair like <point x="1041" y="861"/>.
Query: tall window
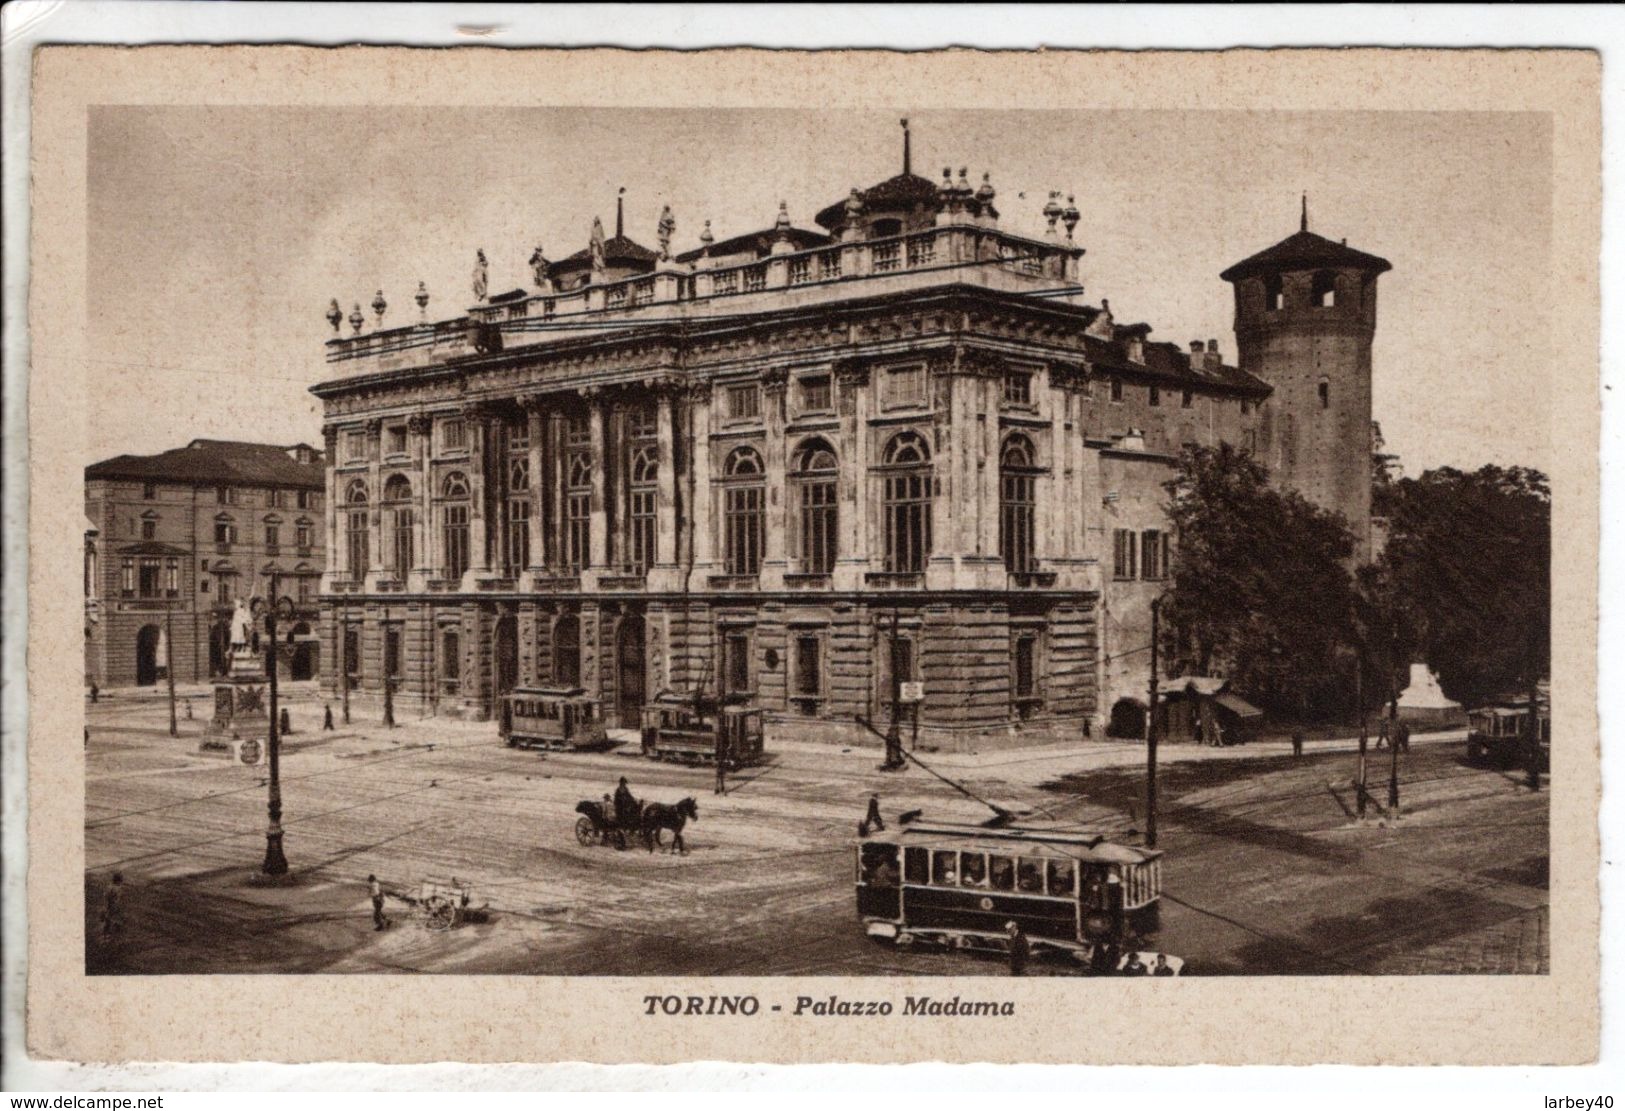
<point x="1323" y="289"/>
<point x="355" y="445"/>
<point x="395" y="439"/>
<point x="127" y="577"/>
<point x="1117" y="389"/>
<point x="1018" y="479"/>
<point x="1185" y="399"/>
<point x="225" y="587"/>
<point x="90" y="570"/>
<point x="1325" y="394"/>
<point x="453" y="434"/>
<point x="742" y="512"/>
<point x="907" y="502"/>
<point x="518" y="507"/>
<point x="1154" y="395"/>
<point x="304" y="588"/>
<point x="172" y="577"/>
<point x="1153" y="554"/>
<point x="274" y="499"/>
<point x="1024" y="650"/>
<point x="273" y="536"/>
<point x="744" y="402"/>
<point x="577" y="492"/>
<point x="1273" y="293"/>
<point x="149" y="529"/>
<point x="1018" y="387"/>
<point x="567" y="651"/>
<point x="643" y="472"/>
<point x="302" y="499"/>
<point x="815" y="490"/>
<point x="355" y="530"/>
<point x="392" y="651"/>
<point x="454" y="525"/>
<point x="451" y="658"/>
<point x="816" y="396"/>
<point x="301" y="534"/>
<point x="1123" y="552"/>
<point x="809" y="671"/>
<point x="736" y="663"/>
<point x="149" y="491"/>
<point x="149" y="569"/>
<point x="225" y="532"/>
<point x="398" y="502"/>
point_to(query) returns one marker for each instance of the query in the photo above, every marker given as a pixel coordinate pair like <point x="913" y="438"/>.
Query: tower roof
<point x="901" y="192"/>
<point x="1304" y="250"/>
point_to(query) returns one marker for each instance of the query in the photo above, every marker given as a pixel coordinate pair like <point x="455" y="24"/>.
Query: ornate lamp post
<point x="271" y="608"/>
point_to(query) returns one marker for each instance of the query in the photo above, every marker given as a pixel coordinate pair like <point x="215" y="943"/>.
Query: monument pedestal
<point x="240" y="710"/>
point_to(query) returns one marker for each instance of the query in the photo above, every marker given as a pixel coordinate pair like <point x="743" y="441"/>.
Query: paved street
<point x="1267" y="871"/>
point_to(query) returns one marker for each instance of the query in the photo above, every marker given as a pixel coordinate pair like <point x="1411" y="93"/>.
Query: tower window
<point x="1325" y="394"/>
<point x="1323" y="290"/>
<point x="1272" y="293"/>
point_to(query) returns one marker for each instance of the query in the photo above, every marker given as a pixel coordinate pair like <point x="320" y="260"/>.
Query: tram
<point x="688" y="730"/>
<point x="1498" y="734"/>
<point x="552" y="718"/>
<point x="959" y="885"/>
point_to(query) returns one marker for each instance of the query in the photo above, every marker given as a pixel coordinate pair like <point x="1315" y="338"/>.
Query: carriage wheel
<point x="586" y="832"/>
<point x="441" y="915"/>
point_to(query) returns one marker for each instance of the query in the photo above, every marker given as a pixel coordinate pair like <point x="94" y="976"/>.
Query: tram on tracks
<point x="959" y="886"/>
<point x="557" y="718"/>
<point x="693" y="730"/>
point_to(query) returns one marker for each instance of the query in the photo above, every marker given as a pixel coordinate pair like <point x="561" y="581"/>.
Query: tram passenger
<point x="1002" y="873"/>
<point x="1027" y="876"/>
<point x="1161" y="967"/>
<point x="1134" y="966"/>
<point x="973" y="872"/>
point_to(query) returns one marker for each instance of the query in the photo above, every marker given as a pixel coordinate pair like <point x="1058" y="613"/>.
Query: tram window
<point x="1028" y="877"/>
<point x="916" y="866"/>
<point x="1002" y="873"/>
<point x="972" y="870"/>
<point x="945" y="866"/>
<point x="1094" y="889"/>
<point x="880" y="865"/>
<point x="1060" y="877"/>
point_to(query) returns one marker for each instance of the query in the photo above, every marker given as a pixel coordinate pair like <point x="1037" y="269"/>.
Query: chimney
<point x="1196" y="355"/>
<point x="1212" y="359"/>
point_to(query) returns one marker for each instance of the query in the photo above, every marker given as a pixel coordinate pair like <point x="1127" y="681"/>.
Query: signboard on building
<point x="911" y="692"/>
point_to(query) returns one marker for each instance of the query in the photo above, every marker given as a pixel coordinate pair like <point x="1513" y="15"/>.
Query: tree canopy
<point x="1466" y="574"/>
<point x="1262" y="590"/>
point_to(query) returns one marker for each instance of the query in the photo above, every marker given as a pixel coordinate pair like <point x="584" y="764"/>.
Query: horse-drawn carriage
<point x="552" y="718"/>
<point x="652" y="823"/>
<point x="694" y="729"/>
<point x="444" y="905"/>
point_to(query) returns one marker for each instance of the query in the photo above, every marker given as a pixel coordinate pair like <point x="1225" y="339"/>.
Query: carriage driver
<point x="626" y="807"/>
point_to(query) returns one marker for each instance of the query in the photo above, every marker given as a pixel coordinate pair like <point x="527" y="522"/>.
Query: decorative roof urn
<point x="422" y="298"/>
<point x="379" y="305"/>
<point x="356" y="319"/>
<point x="1070" y="216"/>
<point x="335" y="315"/>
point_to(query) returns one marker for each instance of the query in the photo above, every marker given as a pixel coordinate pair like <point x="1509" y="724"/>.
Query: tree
<point x="1469" y="561"/>
<point x="1262" y="590"/>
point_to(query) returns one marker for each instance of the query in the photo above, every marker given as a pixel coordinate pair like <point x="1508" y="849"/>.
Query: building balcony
<point x="346" y="586"/>
<point x="555" y="582"/>
<point x="626" y="577"/>
<point x="966" y="254"/>
<point x="894" y="580"/>
<point x="1032" y="580"/>
<point x="386" y="585"/>
<point x="732" y="582"/>
<point x="807" y="580"/>
<point x="496" y="585"/>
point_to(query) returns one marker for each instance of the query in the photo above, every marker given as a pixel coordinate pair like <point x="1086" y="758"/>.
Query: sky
<point x="217" y="235"/>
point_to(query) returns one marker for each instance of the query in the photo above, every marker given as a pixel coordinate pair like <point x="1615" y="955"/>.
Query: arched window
<point x="567" y="651"/>
<point x="1272" y="293"/>
<point x="743" y="496"/>
<point x="355" y="530"/>
<point x="1323" y="289"/>
<point x="1325" y="394"/>
<point x="454" y="525"/>
<point x="398" y="501"/>
<point x="815" y="478"/>
<point x="642" y="473"/>
<point x="518" y="510"/>
<point x="1017" y="482"/>
<point x="907" y="502"/>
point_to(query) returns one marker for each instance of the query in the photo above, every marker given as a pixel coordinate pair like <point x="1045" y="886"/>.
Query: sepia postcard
<point x="791" y="556"/>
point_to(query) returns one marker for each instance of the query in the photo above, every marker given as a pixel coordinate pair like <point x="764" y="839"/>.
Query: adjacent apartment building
<point x="173" y="540"/>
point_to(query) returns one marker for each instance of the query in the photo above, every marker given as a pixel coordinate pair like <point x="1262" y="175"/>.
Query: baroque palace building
<point x="801" y="466"/>
<point x="173" y="540"/>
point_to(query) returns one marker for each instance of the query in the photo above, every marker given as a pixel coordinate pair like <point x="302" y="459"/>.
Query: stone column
<point x="375" y="495"/>
<point x="699" y="399"/>
<point x="335" y="545"/>
<point x="987" y="394"/>
<point x="535" y="427"/>
<point x="598" y="541"/>
<point x="1052" y="507"/>
<point x="776" y="494"/>
<point x="421" y="428"/>
<point x="666" y="524"/>
<point x="554" y="557"/>
<point x="852" y="492"/>
<point x="476" y="429"/>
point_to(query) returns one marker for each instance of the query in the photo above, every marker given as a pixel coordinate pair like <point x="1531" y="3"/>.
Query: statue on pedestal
<point x="242" y="627"/>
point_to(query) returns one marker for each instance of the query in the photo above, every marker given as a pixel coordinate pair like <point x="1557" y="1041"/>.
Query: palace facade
<point x="802" y="467"/>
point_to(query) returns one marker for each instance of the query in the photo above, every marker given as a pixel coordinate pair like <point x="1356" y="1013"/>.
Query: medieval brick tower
<point x="1306" y="311"/>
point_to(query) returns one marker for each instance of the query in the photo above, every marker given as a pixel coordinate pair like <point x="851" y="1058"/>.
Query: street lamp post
<point x="169" y="663"/>
<point x="1151" y="730"/>
<point x="270" y="608"/>
<point x="344" y="666"/>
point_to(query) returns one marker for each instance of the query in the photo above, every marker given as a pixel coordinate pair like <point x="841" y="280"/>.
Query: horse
<point x="658" y="816"/>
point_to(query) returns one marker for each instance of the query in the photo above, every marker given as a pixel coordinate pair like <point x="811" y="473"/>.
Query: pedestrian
<point x="95" y="691"/>
<point x="1402" y="737"/>
<point x="284" y="723"/>
<point x="376" y="890"/>
<point x="1297" y="745"/>
<point x="1382" y="733"/>
<point x="327" y="717"/>
<point x="1162" y="967"/>
<point x="1019" y="949"/>
<point x="113" y="906"/>
<point x="873" y="819"/>
<point x="1134" y="966"/>
<point x="188" y="709"/>
<point x="721" y="787"/>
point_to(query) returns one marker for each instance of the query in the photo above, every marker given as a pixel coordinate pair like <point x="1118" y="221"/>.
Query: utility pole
<point x="389" y="676"/>
<point x="344" y="666"/>
<point x="1359" y="705"/>
<point x="1534" y="736"/>
<point x="276" y="864"/>
<point x="1151" y="732"/>
<point x="169" y="664"/>
<point x="1393" y="755"/>
<point x="894" y="737"/>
